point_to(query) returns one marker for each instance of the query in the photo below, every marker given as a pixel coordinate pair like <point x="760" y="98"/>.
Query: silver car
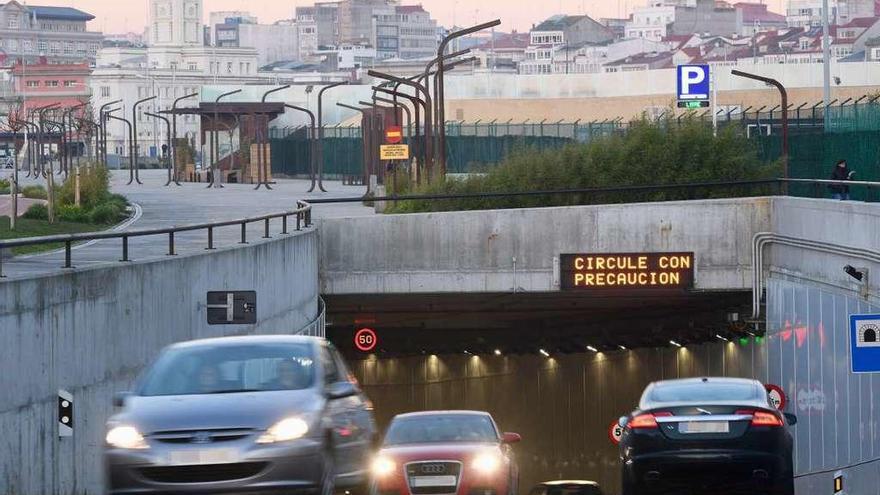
<point x="264" y="414"/>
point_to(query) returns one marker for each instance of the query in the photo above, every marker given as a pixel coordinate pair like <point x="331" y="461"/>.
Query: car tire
<point x="328" y="473"/>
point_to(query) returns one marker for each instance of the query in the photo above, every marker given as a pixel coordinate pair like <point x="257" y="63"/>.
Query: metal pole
<point x="826" y="57"/>
<point x="101" y="148"/>
<point x="133" y="174"/>
<point x="174" y="165"/>
<point x="784" y="94"/>
<point x="313" y="162"/>
<point x="131" y="160"/>
<point x="321" y="132"/>
<point x="262" y="159"/>
<point x="364" y="136"/>
<point x="168" y="139"/>
<point x="714" y="76"/>
<point x="215" y="138"/>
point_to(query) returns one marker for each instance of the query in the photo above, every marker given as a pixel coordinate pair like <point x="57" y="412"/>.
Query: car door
<point x="338" y="414"/>
<point x="358" y="419"/>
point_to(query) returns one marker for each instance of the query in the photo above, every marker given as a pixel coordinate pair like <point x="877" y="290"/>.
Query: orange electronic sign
<point x="626" y="271"/>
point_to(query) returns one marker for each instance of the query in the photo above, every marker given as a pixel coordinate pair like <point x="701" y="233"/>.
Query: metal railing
<point x="303" y="215"/>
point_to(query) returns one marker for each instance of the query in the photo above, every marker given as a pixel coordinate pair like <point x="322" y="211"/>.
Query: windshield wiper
<point x="236" y="391"/>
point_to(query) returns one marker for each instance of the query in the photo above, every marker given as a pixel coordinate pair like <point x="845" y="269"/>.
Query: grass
<point x="38" y="228"/>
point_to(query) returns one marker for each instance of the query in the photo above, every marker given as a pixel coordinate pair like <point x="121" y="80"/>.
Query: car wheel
<point x="328" y="474"/>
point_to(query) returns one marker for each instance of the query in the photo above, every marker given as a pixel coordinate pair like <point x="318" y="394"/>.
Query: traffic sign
<point x="394" y="152"/>
<point x="864" y="336"/>
<point x="615" y="432"/>
<point x="693" y="82"/>
<point x="393" y="134"/>
<point x="776" y="396"/>
<point x="366" y="340"/>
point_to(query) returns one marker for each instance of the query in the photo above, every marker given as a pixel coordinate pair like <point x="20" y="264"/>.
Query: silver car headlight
<point x="126" y="437"/>
<point x="285" y="430"/>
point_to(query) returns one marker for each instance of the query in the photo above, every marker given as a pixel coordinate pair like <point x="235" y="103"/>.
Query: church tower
<point x="176" y="23"/>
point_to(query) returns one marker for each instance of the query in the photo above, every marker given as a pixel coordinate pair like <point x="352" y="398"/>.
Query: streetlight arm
<point x="275" y="90"/>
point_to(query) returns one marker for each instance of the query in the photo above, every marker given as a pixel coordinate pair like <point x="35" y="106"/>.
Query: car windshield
<point x="216" y="369"/>
<point x="441" y="429"/>
<point x="702" y="392"/>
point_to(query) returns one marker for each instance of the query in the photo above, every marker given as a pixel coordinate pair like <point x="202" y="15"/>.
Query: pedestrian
<point x="841" y="173"/>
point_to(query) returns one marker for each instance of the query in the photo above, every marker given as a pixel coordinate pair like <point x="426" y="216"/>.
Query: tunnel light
<point x="592" y="349"/>
<point x="467" y="352"/>
<point x="497" y="352"/>
<point x="622" y="347"/>
<point x="719" y="337"/>
<point x="676" y="344"/>
<point x="544" y="353"/>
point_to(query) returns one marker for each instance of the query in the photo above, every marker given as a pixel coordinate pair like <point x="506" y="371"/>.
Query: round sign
<point x="777" y="396"/>
<point x="393" y="134"/>
<point x="615" y="432"/>
<point x="365" y="339"/>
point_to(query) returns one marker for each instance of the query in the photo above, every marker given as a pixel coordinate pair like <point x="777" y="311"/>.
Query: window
<point x="229" y="67"/>
<point x="105" y="91"/>
<point x="12" y="21"/>
<point x="192" y="66"/>
<point x="13" y="45"/>
<point x="69" y="84"/>
<point x="173" y="65"/>
<point x="68" y="48"/>
<point x="51" y="84"/>
<point x="331" y="370"/>
<point x="33" y="84"/>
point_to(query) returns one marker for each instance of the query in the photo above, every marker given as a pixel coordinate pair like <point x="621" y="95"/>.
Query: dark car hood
<point x="437" y="451"/>
<point x="258" y="410"/>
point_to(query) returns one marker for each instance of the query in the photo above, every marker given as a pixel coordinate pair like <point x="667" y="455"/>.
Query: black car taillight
<point x="646" y="421"/>
<point x="763" y="418"/>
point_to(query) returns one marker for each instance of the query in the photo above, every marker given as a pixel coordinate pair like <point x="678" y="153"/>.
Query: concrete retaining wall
<point x="91" y="332"/>
<point x="493" y="251"/>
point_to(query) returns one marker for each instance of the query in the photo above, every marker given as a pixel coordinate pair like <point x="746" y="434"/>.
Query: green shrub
<point x="72" y="213"/>
<point x="37" y="212"/>
<point x="5" y="186"/>
<point x="649" y="153"/>
<point x="105" y="213"/>
<point x="34" y="192"/>
<point x="94" y="187"/>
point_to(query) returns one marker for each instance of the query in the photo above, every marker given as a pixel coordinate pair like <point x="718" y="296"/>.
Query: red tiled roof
<point x="860" y="22"/>
<point x="757" y="12"/>
<point x="642" y="58"/>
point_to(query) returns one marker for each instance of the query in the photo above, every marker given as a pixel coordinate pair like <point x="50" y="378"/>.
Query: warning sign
<point x="393" y="134"/>
<point x="394" y="152"/>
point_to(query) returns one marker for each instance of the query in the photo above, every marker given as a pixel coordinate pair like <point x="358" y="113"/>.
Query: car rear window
<point x="701" y="392"/>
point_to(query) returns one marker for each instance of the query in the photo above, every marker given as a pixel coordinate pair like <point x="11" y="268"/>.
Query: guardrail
<point x="303" y="215"/>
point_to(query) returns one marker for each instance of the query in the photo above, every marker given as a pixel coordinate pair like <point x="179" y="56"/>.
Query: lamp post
<point x="321" y="131"/>
<point x="131" y="151"/>
<point x="169" y="145"/>
<point x="262" y="159"/>
<point x="312" y="154"/>
<point x="215" y="138"/>
<point x="367" y="141"/>
<point x="101" y="146"/>
<point x="784" y="95"/>
<point x="135" y="176"/>
<point x="174" y="165"/>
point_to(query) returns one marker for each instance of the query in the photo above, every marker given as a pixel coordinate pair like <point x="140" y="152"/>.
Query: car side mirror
<point x="791" y="419"/>
<point x="119" y="398"/>
<point x="623" y="421"/>
<point x="509" y="438"/>
<point x="341" y="390"/>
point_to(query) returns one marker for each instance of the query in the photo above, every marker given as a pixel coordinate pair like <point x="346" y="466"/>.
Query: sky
<point x="119" y="16"/>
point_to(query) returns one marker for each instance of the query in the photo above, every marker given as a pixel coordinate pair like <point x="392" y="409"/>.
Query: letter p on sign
<point x="693" y="82"/>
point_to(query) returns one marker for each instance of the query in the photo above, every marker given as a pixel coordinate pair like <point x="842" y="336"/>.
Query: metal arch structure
<point x="101" y="146"/>
<point x="312" y="146"/>
<point x="133" y="174"/>
<point x="321" y="131"/>
<point x="171" y="178"/>
<point x="174" y="165"/>
<point x="263" y="167"/>
<point x="131" y="161"/>
<point x="215" y="138"/>
<point x="365" y="139"/>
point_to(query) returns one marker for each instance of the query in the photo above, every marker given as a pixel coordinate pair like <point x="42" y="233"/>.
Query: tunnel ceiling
<point x="520" y="323"/>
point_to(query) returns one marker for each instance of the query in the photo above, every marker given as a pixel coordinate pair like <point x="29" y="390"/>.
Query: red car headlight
<point x="487" y="463"/>
<point x="382" y="467"/>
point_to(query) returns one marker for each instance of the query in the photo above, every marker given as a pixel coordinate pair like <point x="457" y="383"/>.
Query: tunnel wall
<point x="91" y="332"/>
<point x="563" y="405"/>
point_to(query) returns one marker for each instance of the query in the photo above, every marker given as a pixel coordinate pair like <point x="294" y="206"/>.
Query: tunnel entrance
<point x="557" y="368"/>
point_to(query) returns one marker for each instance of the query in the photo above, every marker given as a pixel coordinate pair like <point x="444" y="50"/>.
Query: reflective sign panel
<point x="627" y="271"/>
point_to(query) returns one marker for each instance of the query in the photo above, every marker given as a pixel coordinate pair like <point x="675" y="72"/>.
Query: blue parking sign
<point x="864" y="336"/>
<point x="693" y="82"/>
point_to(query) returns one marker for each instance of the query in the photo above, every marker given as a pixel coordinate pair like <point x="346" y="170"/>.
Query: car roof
<point x="760" y="400"/>
<point x="569" y="482"/>
<point x="441" y="413"/>
<point x="248" y="339"/>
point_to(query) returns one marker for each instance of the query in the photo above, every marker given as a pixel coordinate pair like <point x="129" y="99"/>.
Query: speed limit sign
<point x="365" y="340"/>
<point x="615" y="432"/>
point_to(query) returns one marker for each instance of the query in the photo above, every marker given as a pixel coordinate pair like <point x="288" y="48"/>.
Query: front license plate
<point x="193" y="457"/>
<point x="433" y="481"/>
<point x="705" y="427"/>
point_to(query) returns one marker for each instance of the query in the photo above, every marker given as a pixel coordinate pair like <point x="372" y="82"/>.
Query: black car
<point x="566" y="487"/>
<point x="706" y="436"/>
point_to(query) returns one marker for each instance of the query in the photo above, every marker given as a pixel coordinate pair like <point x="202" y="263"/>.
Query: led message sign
<point x="625" y="271"/>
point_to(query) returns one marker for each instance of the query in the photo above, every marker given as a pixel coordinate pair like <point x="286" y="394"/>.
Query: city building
<point x="851" y="38"/>
<point x="306" y="32"/>
<point x="707" y="18"/>
<point x="757" y="18"/>
<point x="587" y="58"/>
<point x="504" y="51"/>
<point x="355" y="19"/>
<point x="617" y="26"/>
<point x="345" y="57"/>
<point x="641" y="62"/>
<point x="59" y="34"/>
<point x="41" y="84"/>
<point x="558" y="31"/>
<point x="273" y="42"/>
<point x="849" y="10"/>
<point x="404" y="32"/>
<point x="176" y="64"/>
<point x="651" y="22"/>
<point x="808" y="13"/>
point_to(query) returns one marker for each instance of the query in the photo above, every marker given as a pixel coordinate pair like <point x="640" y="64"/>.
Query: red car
<point x="445" y="452"/>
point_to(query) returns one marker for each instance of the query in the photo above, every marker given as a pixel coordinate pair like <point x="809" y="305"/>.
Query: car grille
<point x="200" y="436"/>
<point x="203" y="474"/>
<point x="439" y="468"/>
